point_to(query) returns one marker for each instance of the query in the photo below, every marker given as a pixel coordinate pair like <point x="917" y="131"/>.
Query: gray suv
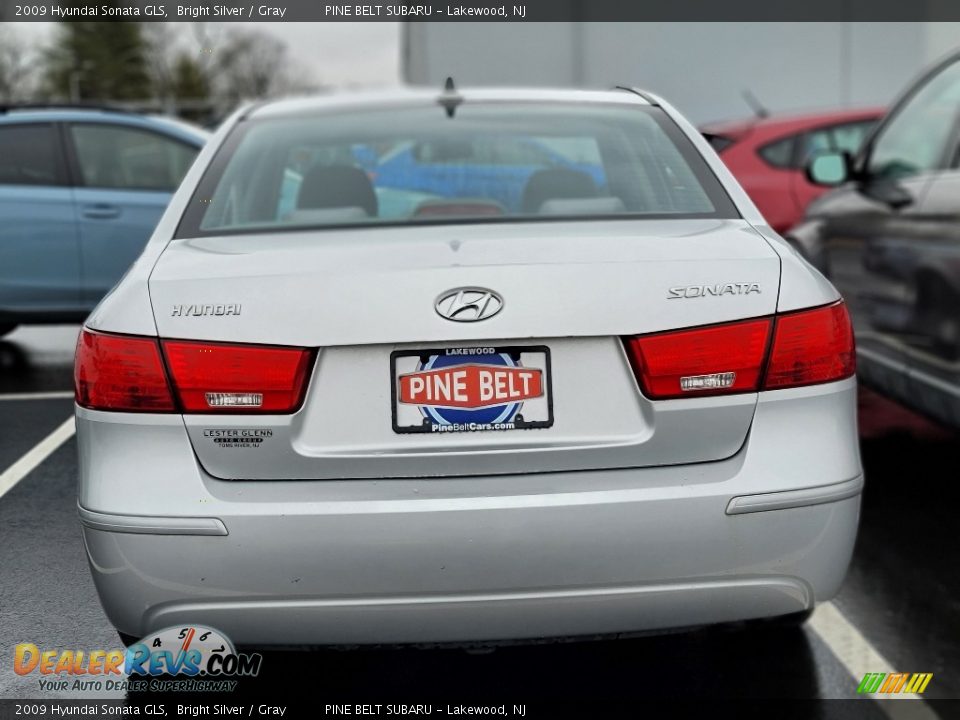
<point x="889" y="239"/>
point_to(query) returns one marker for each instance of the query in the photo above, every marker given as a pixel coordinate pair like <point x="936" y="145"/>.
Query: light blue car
<point x="80" y="193"/>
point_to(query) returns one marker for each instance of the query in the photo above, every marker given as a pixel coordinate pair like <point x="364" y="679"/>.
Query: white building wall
<point x="703" y="68"/>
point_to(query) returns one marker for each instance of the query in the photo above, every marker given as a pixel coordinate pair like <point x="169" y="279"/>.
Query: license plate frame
<point x="542" y="417"/>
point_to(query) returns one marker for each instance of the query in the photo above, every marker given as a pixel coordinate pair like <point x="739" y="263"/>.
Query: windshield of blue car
<point x="489" y="162"/>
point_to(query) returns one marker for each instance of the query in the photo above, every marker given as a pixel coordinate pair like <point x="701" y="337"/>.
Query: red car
<point x="767" y="155"/>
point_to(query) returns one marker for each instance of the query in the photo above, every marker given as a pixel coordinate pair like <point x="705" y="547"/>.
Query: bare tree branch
<point x="249" y="64"/>
<point x="16" y="67"/>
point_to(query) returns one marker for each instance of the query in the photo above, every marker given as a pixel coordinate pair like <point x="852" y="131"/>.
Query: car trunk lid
<point x="364" y="297"/>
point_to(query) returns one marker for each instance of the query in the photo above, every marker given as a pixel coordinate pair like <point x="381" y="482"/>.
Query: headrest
<point x="556" y="184"/>
<point x="337" y="186"/>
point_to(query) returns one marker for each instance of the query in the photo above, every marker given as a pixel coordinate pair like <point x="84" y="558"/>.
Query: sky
<point x="364" y="54"/>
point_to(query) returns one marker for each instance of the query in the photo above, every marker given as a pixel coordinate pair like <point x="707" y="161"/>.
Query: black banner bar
<point x="328" y="705"/>
<point x="479" y="11"/>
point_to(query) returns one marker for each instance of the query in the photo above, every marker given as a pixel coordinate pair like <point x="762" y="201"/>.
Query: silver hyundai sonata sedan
<point x="428" y="367"/>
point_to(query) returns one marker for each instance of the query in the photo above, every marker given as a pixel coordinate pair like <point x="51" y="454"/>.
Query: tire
<point x="127" y="640"/>
<point x="6" y="328"/>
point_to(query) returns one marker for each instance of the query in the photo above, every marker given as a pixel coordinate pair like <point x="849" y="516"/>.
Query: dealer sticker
<point x="471" y="389"/>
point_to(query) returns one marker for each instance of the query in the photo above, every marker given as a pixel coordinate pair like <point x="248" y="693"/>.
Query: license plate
<point x="471" y="389"/>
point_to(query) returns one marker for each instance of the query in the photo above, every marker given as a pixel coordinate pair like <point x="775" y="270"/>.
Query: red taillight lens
<point x="120" y="373"/>
<point x="700" y="361"/>
<point x="810" y="347"/>
<point x="126" y="373"/>
<point x="218" y="378"/>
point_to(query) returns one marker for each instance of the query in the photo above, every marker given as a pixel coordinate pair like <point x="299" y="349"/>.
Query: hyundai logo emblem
<point x="468" y="304"/>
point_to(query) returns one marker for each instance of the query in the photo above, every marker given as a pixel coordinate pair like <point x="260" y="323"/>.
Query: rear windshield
<point x="489" y="162"/>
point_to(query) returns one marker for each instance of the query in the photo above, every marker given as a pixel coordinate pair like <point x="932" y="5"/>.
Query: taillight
<point x="219" y="377"/>
<point x="127" y="373"/>
<point x="807" y="347"/>
<point x="121" y="373"/>
<point x="810" y="347"/>
<point x="702" y="361"/>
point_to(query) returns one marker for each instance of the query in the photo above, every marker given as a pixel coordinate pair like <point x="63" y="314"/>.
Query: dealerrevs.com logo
<point x="190" y="659"/>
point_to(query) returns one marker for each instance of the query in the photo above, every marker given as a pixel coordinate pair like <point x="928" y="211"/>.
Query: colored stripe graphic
<point x="871" y="682"/>
<point x="890" y="683"/>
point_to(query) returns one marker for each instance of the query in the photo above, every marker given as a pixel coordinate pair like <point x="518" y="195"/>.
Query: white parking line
<point x="859" y="657"/>
<point x="36" y="455"/>
<point x="37" y="395"/>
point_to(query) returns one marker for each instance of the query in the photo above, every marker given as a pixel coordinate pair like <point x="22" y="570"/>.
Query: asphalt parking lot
<point x="900" y="604"/>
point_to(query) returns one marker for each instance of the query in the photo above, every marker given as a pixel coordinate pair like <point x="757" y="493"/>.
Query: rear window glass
<point x="28" y="155"/>
<point x="127" y="158"/>
<point x="778" y="154"/>
<point x="489" y="162"/>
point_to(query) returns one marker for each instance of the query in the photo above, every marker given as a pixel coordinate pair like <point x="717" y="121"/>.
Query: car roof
<point x="168" y="126"/>
<point x="424" y="96"/>
<point x="786" y="124"/>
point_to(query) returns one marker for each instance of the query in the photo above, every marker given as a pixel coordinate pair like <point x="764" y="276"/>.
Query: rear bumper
<point x="767" y="532"/>
<point x="429" y="577"/>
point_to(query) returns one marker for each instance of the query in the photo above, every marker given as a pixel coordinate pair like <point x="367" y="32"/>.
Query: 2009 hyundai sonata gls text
<point x="551" y="375"/>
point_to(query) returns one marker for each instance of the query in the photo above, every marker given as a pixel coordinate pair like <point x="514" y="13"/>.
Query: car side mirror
<point x="829" y="168"/>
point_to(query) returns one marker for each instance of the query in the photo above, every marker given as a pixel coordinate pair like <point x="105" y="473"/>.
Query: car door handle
<point x="101" y="211"/>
